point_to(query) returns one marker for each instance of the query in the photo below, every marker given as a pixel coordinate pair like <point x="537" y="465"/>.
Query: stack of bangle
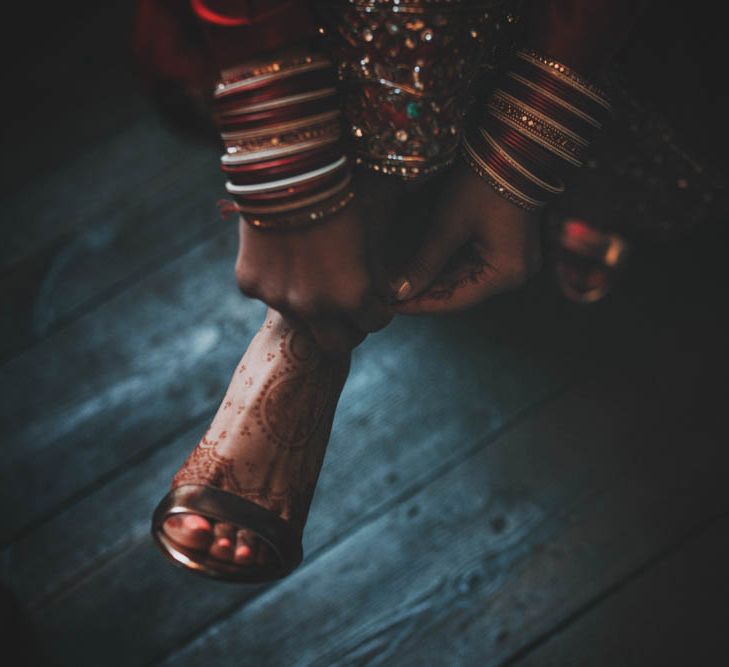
<point x="281" y="126"/>
<point x="537" y="127"/>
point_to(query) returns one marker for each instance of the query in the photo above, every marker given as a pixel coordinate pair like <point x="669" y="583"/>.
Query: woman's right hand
<point x="328" y="276"/>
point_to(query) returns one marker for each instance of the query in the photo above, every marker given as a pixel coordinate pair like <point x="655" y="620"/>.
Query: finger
<point x="336" y="337"/>
<point x="471" y="280"/>
<point x="375" y="315"/>
<point x="421" y="270"/>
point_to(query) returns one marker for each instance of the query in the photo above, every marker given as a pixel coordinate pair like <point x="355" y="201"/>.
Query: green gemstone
<point x="413" y="110"/>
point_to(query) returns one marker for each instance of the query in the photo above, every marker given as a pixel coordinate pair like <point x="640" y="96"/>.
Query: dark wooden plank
<point x="492" y="554"/>
<point x="382" y="430"/>
<point x="95" y="188"/>
<point x="144" y="368"/>
<point x="503" y="350"/>
<point x="88" y="229"/>
<point x="672" y="615"/>
<point x="159" y="354"/>
<point x="601" y="474"/>
<point x="373" y="443"/>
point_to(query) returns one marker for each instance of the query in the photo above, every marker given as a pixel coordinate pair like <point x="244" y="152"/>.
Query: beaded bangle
<point x="258" y="76"/>
<point x="288" y="133"/>
<point x="304" y="218"/>
<point x="545" y="93"/>
<point x="537" y="127"/>
<point x="550" y="135"/>
<point x="556" y="188"/>
<point x="500" y="184"/>
<point x="566" y="75"/>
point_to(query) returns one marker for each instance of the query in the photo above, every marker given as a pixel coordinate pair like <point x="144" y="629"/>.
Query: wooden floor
<point x="531" y="483"/>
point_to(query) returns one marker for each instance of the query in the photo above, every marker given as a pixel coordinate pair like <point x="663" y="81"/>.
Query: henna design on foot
<point x="206" y="466"/>
<point x="285" y="393"/>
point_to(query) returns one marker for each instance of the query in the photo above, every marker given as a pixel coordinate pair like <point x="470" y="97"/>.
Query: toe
<point x="189" y="530"/>
<point x="245" y="547"/>
<point x="223" y="545"/>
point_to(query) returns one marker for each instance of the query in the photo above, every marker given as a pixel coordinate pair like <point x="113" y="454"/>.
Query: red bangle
<point x="305" y="189"/>
<point x="263" y="118"/>
<point x="503" y="169"/>
<point x="304" y="83"/>
<point x="540" y="161"/>
<point x="260" y="172"/>
<point x="548" y="107"/>
<point x="561" y="89"/>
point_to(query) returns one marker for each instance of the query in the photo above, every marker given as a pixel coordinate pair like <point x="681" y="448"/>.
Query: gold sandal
<point x="238" y="506"/>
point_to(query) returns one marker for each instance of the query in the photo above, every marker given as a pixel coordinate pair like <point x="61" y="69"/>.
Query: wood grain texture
<point x="88" y="229"/>
<point x="73" y="411"/>
<point x="530" y="483"/>
<point x="671" y="614"/>
<point x="488" y="557"/>
<point x="383" y="444"/>
<point x="96" y="188"/>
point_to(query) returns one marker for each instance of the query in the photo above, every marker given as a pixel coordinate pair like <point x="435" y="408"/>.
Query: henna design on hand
<point x="467" y="268"/>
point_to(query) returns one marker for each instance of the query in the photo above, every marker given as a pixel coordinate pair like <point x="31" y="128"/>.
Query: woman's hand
<point x="479" y="245"/>
<point x="329" y="276"/>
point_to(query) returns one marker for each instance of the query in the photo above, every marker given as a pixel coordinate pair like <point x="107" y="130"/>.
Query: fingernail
<point x="402" y="289"/>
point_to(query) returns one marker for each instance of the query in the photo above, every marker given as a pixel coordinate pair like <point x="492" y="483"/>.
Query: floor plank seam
<point x="80" y="576"/>
<point x="178" y="250"/>
<point x="142" y="455"/>
<point x="614" y="588"/>
<point x="365" y="520"/>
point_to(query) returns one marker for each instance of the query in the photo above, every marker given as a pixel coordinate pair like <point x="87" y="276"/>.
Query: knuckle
<point x="354" y="299"/>
<point x="303" y="304"/>
<point x="517" y="272"/>
<point x="419" y="267"/>
<point x="274" y="299"/>
<point x="246" y="280"/>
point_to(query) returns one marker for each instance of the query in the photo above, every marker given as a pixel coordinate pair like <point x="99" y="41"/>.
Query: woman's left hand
<point x="479" y="245"/>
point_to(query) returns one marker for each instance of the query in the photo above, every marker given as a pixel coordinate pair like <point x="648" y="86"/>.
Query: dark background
<point x="531" y="483"/>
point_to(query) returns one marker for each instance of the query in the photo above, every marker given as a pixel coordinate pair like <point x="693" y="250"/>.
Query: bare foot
<point x="265" y="444"/>
<point x="189" y="530"/>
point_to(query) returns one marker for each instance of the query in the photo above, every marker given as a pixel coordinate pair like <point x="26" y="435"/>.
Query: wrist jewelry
<point x="535" y="128"/>
<point x="281" y="126"/>
<point x="406" y="67"/>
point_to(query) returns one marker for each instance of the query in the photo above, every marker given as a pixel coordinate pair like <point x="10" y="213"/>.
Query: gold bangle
<point x="552" y="189"/>
<point x="536" y="118"/>
<point x="255" y="75"/>
<point x="280" y="102"/>
<point x="544" y="135"/>
<point x="503" y="187"/>
<point x="566" y="75"/>
<point x="276" y="151"/>
<point x="556" y="99"/>
<point x="300" y="219"/>
<point x="300" y="124"/>
<point x="299" y="203"/>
